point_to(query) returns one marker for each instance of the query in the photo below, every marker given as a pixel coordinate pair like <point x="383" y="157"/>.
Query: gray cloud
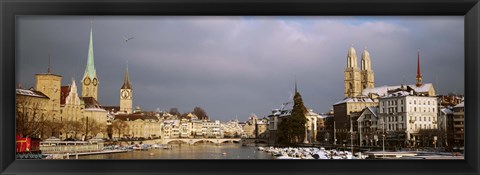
<point x="239" y="65"/>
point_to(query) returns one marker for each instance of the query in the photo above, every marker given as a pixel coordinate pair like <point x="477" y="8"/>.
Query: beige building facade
<point x="31" y="111"/>
<point x="459" y="124"/>
<point x="50" y="85"/>
<point x="356" y="79"/>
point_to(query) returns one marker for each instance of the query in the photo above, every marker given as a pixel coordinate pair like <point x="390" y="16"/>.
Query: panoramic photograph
<point x="239" y="87"/>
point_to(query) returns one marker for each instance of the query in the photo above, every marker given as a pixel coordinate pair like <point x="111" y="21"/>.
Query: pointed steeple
<point x="419" y="74"/>
<point x="296" y="86"/>
<point x="351" y="57"/>
<point x="366" y="60"/>
<point x="49" y="58"/>
<point x="90" y="69"/>
<point x="74" y="85"/>
<point x="126" y="81"/>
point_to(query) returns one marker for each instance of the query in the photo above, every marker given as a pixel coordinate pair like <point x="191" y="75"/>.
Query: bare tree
<point x="90" y="127"/>
<point x="200" y="113"/>
<point x="120" y="126"/>
<point x="72" y="128"/>
<point x="174" y="111"/>
<point x="29" y="118"/>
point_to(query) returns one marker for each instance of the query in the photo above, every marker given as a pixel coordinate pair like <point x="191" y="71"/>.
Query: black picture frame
<point x="9" y="9"/>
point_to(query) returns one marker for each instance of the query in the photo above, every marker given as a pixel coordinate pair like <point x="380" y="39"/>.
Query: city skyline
<point x="234" y="66"/>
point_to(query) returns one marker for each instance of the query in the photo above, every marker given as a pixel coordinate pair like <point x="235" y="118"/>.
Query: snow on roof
<point x="260" y="122"/>
<point x="397" y="94"/>
<point x="446" y="111"/>
<point x="95" y="109"/>
<point x="30" y="93"/>
<point x="374" y="110"/>
<point x="324" y="115"/>
<point x="355" y="99"/>
<point x="382" y="91"/>
<point x="460" y="105"/>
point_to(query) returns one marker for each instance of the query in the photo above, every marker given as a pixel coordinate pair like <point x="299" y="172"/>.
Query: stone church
<point x="356" y="79"/>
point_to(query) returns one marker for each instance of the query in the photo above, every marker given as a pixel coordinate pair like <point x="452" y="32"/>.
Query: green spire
<point x="90" y="69"/>
<point x="126" y="81"/>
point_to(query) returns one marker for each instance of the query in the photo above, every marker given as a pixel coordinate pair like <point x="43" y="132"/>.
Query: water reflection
<point x="187" y="151"/>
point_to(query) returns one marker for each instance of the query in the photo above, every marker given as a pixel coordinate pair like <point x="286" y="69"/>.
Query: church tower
<point x="50" y="85"/>
<point x="419" y="75"/>
<point x="90" y="81"/>
<point x="368" y="80"/>
<point x="126" y="95"/>
<point x="352" y="75"/>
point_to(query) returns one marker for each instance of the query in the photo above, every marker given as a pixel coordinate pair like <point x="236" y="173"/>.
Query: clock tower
<point x="90" y="80"/>
<point x="126" y="95"/>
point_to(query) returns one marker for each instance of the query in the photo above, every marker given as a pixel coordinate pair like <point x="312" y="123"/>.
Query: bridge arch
<point x="196" y="140"/>
<point x="202" y="140"/>
<point x="175" y="140"/>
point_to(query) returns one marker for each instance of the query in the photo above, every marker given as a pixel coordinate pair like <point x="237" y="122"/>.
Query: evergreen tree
<point x="292" y="128"/>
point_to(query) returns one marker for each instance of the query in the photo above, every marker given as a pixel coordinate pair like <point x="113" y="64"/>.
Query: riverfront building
<point x="404" y="113"/>
<point x="368" y="126"/>
<point x="256" y="128"/>
<point x="285" y="110"/>
<point x="459" y="124"/>
<point x="65" y="106"/>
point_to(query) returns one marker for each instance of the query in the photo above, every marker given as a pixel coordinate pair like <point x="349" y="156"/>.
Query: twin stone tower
<point x="357" y="79"/>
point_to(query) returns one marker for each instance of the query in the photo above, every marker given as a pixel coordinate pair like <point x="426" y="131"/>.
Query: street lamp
<point x="383" y="135"/>
<point x="351" y="133"/>
<point x="334" y="134"/>
<point x="360" y="133"/>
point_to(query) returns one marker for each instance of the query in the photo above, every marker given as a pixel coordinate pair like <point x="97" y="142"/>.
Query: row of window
<point x="422" y="102"/>
<point x="424" y="109"/>
<point x="425" y="118"/>
<point x="395" y="126"/>
<point x="424" y="126"/>
<point x="395" y="102"/>
<point x="395" y="109"/>
<point x="392" y="102"/>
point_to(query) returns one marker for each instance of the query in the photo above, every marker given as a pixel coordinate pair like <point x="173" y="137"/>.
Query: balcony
<point x="458" y="126"/>
<point x="412" y="121"/>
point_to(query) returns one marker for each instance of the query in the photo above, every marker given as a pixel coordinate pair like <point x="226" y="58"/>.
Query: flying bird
<point x="126" y="39"/>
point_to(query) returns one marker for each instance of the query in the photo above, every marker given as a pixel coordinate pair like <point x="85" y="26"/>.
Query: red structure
<point x="419" y="75"/>
<point x="27" y="148"/>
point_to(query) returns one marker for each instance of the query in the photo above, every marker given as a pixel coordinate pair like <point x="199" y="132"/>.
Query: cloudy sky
<point x="234" y="66"/>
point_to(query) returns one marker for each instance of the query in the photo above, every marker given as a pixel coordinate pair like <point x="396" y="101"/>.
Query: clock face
<point x="95" y="82"/>
<point x="87" y="81"/>
<point x="125" y="94"/>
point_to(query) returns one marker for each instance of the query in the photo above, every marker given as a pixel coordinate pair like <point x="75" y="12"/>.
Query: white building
<point x="285" y="110"/>
<point x="426" y="89"/>
<point x="212" y="129"/>
<point x="232" y="129"/>
<point x="403" y="112"/>
<point x="197" y="128"/>
<point x="311" y="126"/>
<point x="171" y="129"/>
<point x="185" y="128"/>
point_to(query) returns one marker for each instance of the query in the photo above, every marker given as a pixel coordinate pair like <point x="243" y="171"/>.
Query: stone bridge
<point x="254" y="140"/>
<point x="211" y="140"/>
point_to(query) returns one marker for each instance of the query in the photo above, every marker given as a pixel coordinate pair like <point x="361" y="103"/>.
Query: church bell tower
<point x="352" y="75"/>
<point x="367" y="72"/>
<point x="90" y="81"/>
<point x="126" y="95"/>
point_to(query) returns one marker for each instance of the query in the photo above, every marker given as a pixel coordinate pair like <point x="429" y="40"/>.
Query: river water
<point x="187" y="151"/>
